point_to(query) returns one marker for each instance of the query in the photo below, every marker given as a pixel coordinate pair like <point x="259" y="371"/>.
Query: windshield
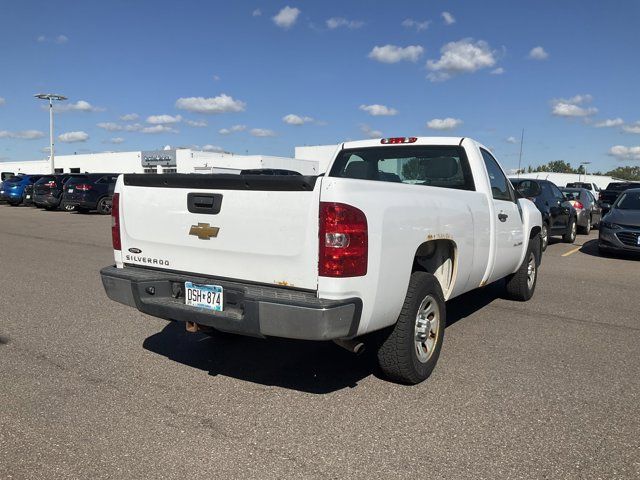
<point x="628" y="201"/>
<point x="436" y="166"/>
<point x="13" y="180"/>
<point x="572" y="194"/>
<point x="45" y="180"/>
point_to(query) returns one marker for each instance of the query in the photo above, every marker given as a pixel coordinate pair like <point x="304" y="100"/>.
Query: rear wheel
<point x="410" y="351"/>
<point x="544" y="236"/>
<point x="587" y="228"/>
<point x="521" y="285"/>
<point x="104" y="206"/>
<point x="69" y="208"/>
<point x="570" y="236"/>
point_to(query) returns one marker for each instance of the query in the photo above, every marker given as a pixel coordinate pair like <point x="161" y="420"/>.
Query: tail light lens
<point x="115" y="222"/>
<point x="343" y="246"/>
<point x="578" y="205"/>
<point x="83" y="187"/>
<point x="51" y="184"/>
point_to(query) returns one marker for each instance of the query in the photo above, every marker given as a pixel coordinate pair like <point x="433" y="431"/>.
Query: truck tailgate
<point x="267" y="227"/>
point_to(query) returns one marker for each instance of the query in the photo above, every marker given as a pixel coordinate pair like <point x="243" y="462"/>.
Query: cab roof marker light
<point x="396" y="140"/>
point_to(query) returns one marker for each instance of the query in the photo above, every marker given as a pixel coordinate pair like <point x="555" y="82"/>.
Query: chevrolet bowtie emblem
<point x="204" y="231"/>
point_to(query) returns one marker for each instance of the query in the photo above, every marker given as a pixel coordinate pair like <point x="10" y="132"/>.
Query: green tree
<point x="626" y="173"/>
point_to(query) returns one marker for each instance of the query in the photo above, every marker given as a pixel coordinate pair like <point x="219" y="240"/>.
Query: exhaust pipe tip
<point x="351" y="345"/>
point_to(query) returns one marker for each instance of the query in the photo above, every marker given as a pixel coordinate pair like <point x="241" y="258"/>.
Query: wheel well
<point x="437" y="257"/>
<point x="534" y="231"/>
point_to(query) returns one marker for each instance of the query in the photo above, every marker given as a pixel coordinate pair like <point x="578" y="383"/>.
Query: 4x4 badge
<point x="204" y="231"/>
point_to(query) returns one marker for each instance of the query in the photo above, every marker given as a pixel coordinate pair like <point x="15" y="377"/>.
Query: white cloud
<point x="196" y="123"/>
<point x="444" y="123"/>
<point x="571" y="107"/>
<point x="110" y="126"/>
<point x="73" y="137"/>
<point x="369" y="132"/>
<point x="293" y="119"/>
<point x="376" y="110"/>
<point x="216" y="78"/>
<point x="130" y="117"/>
<point x="159" y="129"/>
<point x="233" y="129"/>
<point x="337" y="22"/>
<point x="262" y="132"/>
<point x="256" y="13"/>
<point x="497" y="71"/>
<point x="221" y="104"/>
<point x="633" y="128"/>
<point x="286" y="17"/>
<point x="395" y="54"/>
<point x="511" y="140"/>
<point x="2" y="101"/>
<point x="538" y="53"/>
<point x="23" y="134"/>
<point x="609" y="122"/>
<point x="463" y="56"/>
<point x="448" y="18"/>
<point x="419" y="26"/>
<point x="212" y="148"/>
<point x="116" y="140"/>
<point x="41" y="39"/>
<point x="134" y="127"/>
<point x="60" y="39"/>
<point x="79" y="106"/>
<point x="625" y="153"/>
<point x="163" y="119"/>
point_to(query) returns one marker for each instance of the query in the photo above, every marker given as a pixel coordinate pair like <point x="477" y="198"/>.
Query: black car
<point x="92" y="191"/>
<point x="558" y="215"/>
<point x="609" y="195"/>
<point x="620" y="228"/>
<point x="47" y="192"/>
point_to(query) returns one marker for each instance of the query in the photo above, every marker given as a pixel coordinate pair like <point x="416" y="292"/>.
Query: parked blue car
<point x="12" y="190"/>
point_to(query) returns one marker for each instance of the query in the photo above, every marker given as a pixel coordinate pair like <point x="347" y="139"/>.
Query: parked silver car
<point x="588" y="212"/>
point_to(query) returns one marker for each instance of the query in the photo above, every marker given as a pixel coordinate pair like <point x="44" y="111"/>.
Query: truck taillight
<point x="115" y="222"/>
<point x="343" y="241"/>
<point x="83" y="187"/>
<point x="396" y="140"/>
<point x="578" y="205"/>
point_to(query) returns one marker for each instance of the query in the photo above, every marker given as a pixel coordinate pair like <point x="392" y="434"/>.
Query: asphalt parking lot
<point x="93" y="389"/>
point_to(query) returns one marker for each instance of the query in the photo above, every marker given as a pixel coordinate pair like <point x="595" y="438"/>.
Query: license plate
<point x="28" y="197"/>
<point x="209" y="297"/>
<point x="70" y="190"/>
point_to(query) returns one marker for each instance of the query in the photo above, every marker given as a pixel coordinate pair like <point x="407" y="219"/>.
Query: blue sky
<point x="263" y="77"/>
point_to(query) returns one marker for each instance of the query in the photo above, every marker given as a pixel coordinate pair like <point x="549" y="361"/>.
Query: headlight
<point x="611" y="226"/>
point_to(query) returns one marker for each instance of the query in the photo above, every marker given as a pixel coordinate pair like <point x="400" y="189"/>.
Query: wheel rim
<point x="531" y="271"/>
<point x="545" y="239"/>
<point x="69" y="208"/>
<point x="573" y="230"/>
<point x="588" y="225"/>
<point x="105" y="207"/>
<point x="427" y="328"/>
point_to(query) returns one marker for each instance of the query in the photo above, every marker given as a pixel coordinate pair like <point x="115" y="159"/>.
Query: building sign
<point x="153" y="158"/>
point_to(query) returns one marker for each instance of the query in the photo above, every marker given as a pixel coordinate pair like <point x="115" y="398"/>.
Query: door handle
<point x="206" y="203"/>
<point x="503" y="217"/>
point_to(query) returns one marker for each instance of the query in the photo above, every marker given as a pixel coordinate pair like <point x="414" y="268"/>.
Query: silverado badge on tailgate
<point x="204" y="231"/>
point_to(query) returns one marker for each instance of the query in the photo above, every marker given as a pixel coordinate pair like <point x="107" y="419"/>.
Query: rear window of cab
<point x="434" y="166"/>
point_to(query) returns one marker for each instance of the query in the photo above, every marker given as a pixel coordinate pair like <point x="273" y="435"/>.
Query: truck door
<point x="508" y="226"/>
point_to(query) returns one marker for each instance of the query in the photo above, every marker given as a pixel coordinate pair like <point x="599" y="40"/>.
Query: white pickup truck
<point x="396" y="227"/>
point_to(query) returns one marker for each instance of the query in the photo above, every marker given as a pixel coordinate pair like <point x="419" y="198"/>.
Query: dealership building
<point x="181" y="160"/>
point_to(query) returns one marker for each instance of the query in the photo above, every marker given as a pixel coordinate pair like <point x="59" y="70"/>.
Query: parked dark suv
<point x="93" y="191"/>
<point x="47" y="192"/>
<point x="558" y="215"/>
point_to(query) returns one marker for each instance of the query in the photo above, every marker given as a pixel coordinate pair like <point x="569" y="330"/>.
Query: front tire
<point x="570" y="236"/>
<point x="522" y="284"/>
<point x="410" y="351"/>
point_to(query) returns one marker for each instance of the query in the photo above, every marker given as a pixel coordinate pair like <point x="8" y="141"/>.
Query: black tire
<point x="545" y="236"/>
<point x="587" y="229"/>
<point x="521" y="285"/>
<point x="398" y="355"/>
<point x="104" y="206"/>
<point x="570" y="236"/>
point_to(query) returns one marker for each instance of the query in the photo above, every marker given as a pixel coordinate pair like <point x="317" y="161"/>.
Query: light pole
<point x="51" y="97"/>
<point x="585" y="169"/>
